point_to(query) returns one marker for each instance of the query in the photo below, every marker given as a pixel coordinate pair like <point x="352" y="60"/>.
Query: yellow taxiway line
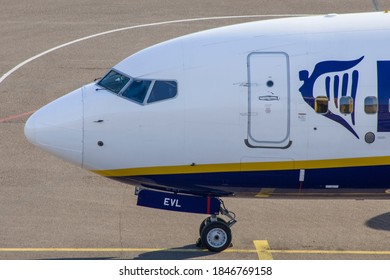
<point x="117" y="250"/>
<point x="331" y="252"/>
<point x="263" y="250"/>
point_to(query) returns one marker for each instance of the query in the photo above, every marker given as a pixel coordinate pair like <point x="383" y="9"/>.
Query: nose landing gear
<point x="215" y="232"/>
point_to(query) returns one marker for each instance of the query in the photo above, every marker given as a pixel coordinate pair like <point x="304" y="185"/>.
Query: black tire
<point x="216" y="236"/>
<point x="206" y="221"/>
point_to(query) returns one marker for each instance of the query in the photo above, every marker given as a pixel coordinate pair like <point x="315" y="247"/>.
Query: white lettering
<point x="172" y="202"/>
<point x="176" y="203"/>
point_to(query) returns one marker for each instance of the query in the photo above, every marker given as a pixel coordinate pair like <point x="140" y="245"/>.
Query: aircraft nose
<point x="58" y="127"/>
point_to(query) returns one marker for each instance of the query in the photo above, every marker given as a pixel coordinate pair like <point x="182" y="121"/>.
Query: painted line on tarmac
<point x="263" y="250"/>
<point x="10" y="118"/>
<point x="330" y="252"/>
<point x="135" y="250"/>
<point x="20" y="65"/>
<point x="23" y="63"/>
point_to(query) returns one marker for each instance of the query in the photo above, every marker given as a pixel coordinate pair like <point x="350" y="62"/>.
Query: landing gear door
<point x="268" y="100"/>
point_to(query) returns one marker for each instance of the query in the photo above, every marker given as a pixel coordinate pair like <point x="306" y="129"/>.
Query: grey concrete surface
<point x="47" y="203"/>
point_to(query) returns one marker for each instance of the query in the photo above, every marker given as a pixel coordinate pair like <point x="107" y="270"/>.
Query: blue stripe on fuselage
<point x="222" y="183"/>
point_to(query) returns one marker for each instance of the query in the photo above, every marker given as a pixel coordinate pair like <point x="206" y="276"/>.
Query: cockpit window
<point x="137" y="90"/>
<point x="114" y="81"/>
<point x="162" y="90"/>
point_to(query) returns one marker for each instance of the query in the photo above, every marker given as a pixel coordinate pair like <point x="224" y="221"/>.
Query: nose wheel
<point x="216" y="236"/>
<point x="215" y="232"/>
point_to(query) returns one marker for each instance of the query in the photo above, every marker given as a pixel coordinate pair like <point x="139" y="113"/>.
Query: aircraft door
<point x="269" y="100"/>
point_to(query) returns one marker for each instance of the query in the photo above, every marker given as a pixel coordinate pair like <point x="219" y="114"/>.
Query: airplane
<point x="282" y="108"/>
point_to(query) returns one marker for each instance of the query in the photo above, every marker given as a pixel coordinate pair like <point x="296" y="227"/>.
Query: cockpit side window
<point x="114" y="81"/>
<point x="137" y="90"/>
<point x="162" y="90"/>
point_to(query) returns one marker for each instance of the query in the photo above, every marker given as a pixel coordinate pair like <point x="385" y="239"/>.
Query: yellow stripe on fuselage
<point x="246" y="166"/>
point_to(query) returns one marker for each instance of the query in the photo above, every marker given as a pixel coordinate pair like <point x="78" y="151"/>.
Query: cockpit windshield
<point x="137" y="90"/>
<point x="141" y="91"/>
<point x="114" y="81"/>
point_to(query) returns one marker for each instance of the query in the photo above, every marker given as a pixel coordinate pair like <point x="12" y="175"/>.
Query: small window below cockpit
<point x="114" y="81"/>
<point x="162" y="90"/>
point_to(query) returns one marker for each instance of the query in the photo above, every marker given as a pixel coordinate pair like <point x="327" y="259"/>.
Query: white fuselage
<point x="240" y="105"/>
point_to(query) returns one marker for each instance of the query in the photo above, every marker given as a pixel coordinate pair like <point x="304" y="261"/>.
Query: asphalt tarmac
<point x="50" y="209"/>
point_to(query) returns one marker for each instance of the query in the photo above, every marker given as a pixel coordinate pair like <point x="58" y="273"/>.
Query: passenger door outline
<point x="268" y="100"/>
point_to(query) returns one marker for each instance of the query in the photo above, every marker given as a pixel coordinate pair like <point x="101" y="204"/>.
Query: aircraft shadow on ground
<point x="81" y="259"/>
<point x="179" y="253"/>
<point x="381" y="222"/>
<point x="182" y="253"/>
